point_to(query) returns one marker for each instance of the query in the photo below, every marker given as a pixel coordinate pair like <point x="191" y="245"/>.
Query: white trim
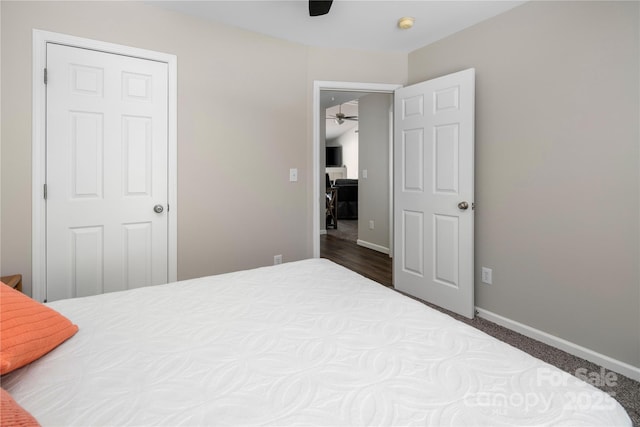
<point x="38" y="172"/>
<point x="391" y="132"/>
<point x="172" y="168"/>
<point x="638" y="302"/>
<point x="38" y="225"/>
<point x="373" y="246"/>
<point x="318" y="86"/>
<point x="618" y="366"/>
<point x="323" y="232"/>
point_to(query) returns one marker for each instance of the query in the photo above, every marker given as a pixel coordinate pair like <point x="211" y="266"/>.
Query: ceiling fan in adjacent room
<point x="340" y="117"/>
<point x="319" y="7"/>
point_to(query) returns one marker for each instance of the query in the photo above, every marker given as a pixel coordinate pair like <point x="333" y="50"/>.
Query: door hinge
<point x="45" y="191"/>
<point x="45" y="76"/>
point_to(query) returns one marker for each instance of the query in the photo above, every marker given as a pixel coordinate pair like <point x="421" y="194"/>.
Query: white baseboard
<point x="610" y="363"/>
<point x="323" y="232"/>
<point x="373" y="246"/>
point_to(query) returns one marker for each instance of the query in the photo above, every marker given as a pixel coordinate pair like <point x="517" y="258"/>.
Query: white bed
<point x="303" y="343"/>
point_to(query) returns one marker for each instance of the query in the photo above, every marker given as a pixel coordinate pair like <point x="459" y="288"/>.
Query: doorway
<point x="361" y="145"/>
<point x="358" y="135"/>
<point x="349" y="91"/>
<point x="341" y="163"/>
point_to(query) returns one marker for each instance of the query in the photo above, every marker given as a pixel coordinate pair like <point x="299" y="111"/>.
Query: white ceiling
<point x="355" y="24"/>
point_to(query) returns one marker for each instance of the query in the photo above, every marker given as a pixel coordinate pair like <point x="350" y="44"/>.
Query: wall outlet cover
<point x="487" y="275"/>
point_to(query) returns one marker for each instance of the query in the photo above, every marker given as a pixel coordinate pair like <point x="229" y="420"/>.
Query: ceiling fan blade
<point x="319" y="7"/>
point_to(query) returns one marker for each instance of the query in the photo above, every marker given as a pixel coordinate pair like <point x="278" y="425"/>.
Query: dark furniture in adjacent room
<point x="347" y="198"/>
<point x="331" y="211"/>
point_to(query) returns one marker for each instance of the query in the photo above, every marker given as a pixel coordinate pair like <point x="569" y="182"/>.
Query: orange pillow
<point x="28" y="330"/>
<point x="12" y="414"/>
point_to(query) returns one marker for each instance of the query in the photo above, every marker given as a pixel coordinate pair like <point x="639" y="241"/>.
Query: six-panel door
<point x="106" y="170"/>
<point x="433" y="174"/>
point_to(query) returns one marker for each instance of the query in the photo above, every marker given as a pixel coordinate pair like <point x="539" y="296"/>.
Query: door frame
<point x="38" y="144"/>
<point x="319" y="85"/>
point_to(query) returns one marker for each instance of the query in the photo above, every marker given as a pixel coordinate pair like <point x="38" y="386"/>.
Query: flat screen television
<point x="333" y="156"/>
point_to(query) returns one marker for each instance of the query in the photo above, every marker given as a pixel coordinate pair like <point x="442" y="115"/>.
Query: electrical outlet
<point x="293" y="174"/>
<point x="277" y="259"/>
<point x="364" y="173"/>
<point x="487" y="275"/>
<point x="371" y="225"/>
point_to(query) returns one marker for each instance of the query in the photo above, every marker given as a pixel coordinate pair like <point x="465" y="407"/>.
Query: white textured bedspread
<point x="303" y="343"/>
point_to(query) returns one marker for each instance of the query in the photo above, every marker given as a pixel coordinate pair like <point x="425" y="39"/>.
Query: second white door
<point x="434" y="191"/>
<point x="107" y="174"/>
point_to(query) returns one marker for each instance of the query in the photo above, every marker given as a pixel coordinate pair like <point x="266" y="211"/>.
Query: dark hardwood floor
<point x="367" y="262"/>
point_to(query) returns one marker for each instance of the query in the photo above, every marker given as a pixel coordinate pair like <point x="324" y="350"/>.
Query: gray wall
<point x="237" y="207"/>
<point x="557" y="166"/>
<point x="373" y="155"/>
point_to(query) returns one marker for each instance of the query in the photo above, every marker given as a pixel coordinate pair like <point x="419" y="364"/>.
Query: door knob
<point x="158" y="208"/>
<point x="463" y="206"/>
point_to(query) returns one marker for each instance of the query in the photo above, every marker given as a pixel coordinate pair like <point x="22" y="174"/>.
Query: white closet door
<point x="107" y="122"/>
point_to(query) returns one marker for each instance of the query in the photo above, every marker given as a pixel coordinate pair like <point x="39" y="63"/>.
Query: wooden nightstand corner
<point x="15" y="281"/>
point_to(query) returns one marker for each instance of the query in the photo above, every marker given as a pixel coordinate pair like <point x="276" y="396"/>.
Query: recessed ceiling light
<point x="406" y="22"/>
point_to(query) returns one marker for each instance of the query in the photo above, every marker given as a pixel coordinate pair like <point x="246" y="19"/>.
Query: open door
<point x="434" y="191"/>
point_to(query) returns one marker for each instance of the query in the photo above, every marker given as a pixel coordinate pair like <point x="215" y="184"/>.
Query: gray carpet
<point x="626" y="391"/>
